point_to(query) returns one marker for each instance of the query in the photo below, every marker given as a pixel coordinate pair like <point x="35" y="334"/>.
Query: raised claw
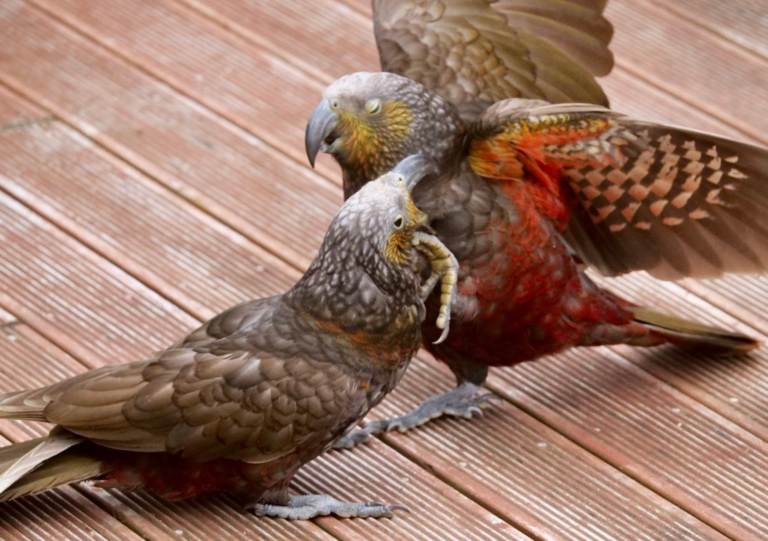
<point x="445" y="268"/>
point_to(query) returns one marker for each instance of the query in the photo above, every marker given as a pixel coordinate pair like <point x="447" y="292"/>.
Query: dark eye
<point x="373" y="107"/>
<point x="335" y="104"/>
<point x="398" y="223"/>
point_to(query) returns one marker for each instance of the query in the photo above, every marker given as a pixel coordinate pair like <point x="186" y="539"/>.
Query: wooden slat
<point x="639" y="99"/>
<point x="735" y="387"/>
<point x="692" y="457"/>
<point x="179" y="143"/>
<point x="742" y="21"/>
<point x="158" y="237"/>
<point x="686" y="60"/>
<point x="61" y="515"/>
<point x="38" y="289"/>
<point x="535" y="475"/>
<point x="324" y="52"/>
<point x="283" y="93"/>
<point x="6" y="318"/>
<point x="364" y="475"/>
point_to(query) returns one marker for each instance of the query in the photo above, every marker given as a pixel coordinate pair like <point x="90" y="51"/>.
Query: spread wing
<point x="632" y="195"/>
<point x="203" y="404"/>
<point x="484" y="51"/>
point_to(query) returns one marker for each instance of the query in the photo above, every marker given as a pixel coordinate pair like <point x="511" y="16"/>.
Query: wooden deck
<point x="152" y="172"/>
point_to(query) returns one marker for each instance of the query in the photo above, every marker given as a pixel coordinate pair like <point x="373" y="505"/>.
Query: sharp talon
<point x="443" y="336"/>
<point x="398" y="507"/>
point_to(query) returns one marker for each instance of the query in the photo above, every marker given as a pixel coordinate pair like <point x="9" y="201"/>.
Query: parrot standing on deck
<point x="530" y="191"/>
<point x="244" y="401"/>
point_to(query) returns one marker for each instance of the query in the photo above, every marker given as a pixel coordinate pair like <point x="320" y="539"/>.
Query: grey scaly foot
<point x="463" y="402"/>
<point x="307" y="507"/>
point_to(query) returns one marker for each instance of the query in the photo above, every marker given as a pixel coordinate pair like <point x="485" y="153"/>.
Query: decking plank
<point x="534" y="473"/>
<point x="693" y="457"/>
<point x="268" y="94"/>
<point x="710" y="72"/>
<point x="735" y="387"/>
<point x="155" y="235"/>
<point x="742" y="21"/>
<point x="219" y="167"/>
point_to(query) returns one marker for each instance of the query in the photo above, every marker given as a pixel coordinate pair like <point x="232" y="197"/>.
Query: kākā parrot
<point x="530" y="192"/>
<point x="241" y="403"/>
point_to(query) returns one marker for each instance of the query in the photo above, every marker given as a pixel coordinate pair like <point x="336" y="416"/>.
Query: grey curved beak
<point x="414" y="168"/>
<point x="320" y="125"/>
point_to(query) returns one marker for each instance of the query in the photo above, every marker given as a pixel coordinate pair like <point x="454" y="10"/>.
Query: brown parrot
<point x="530" y="192"/>
<point x="244" y="401"/>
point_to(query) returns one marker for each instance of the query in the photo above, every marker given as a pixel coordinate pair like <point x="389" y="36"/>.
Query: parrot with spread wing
<point x="244" y="401"/>
<point x="538" y="179"/>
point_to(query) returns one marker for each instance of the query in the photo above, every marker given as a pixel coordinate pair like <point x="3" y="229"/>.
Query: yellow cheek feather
<point x="399" y="242"/>
<point x="398" y="246"/>
<point x="373" y="142"/>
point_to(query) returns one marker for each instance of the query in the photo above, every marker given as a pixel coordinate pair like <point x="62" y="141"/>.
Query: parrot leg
<point x="307" y="507"/>
<point x="463" y="402"/>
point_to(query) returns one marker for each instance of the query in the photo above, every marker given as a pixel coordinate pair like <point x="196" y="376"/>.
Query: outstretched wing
<point x="632" y="195"/>
<point x="478" y="52"/>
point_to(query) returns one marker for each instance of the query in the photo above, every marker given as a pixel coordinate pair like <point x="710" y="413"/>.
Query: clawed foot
<point x="461" y="402"/>
<point x="307" y="507"/>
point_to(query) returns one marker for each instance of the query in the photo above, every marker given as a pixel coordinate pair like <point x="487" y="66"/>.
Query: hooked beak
<point x="320" y="126"/>
<point x="414" y="168"/>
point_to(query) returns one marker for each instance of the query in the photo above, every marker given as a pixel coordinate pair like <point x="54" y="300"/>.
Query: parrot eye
<point x="398" y="223"/>
<point x="373" y="107"/>
<point x="335" y="104"/>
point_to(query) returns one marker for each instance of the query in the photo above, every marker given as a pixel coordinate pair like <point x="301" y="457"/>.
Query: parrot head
<point x="367" y="273"/>
<point x="371" y="121"/>
<point x="381" y="216"/>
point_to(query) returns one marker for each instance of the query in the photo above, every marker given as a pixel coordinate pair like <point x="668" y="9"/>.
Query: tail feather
<point x="43" y="463"/>
<point x="24" y="405"/>
<point x="690" y="335"/>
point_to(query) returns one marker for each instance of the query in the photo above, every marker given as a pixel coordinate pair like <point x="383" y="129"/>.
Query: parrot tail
<point x="44" y="463"/>
<point x="693" y="336"/>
